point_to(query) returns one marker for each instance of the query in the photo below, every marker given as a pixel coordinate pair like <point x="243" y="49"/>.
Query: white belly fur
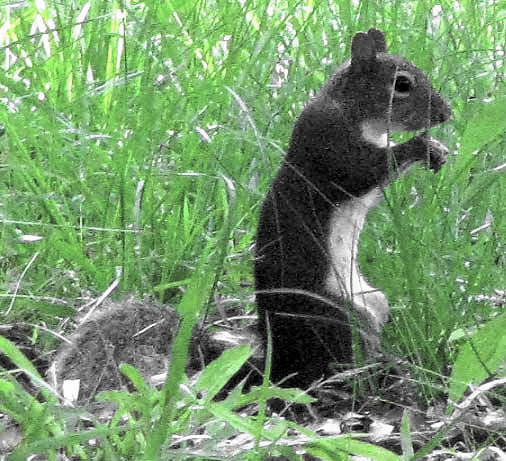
<point x="344" y="278"/>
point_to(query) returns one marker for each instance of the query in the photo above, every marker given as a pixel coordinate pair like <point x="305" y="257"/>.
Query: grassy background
<point x="140" y="136"/>
<point x="136" y="132"/>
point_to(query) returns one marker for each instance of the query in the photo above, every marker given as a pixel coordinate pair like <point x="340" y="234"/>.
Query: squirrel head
<point x="384" y="91"/>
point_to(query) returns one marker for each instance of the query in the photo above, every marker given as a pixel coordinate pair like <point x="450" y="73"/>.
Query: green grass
<point x="144" y="142"/>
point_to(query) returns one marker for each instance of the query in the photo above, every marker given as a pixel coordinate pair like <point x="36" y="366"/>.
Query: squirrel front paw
<point x="437" y="152"/>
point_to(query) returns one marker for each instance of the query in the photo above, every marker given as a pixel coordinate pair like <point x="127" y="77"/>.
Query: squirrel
<point x="340" y="158"/>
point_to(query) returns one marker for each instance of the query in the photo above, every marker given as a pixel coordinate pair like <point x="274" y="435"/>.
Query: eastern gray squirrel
<point x="339" y="160"/>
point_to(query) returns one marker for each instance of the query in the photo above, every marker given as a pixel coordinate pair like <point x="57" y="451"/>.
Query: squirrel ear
<point x="362" y="47"/>
<point x="363" y="51"/>
<point x="379" y="40"/>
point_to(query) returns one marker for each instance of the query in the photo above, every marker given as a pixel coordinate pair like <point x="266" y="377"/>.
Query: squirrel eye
<point x="403" y="85"/>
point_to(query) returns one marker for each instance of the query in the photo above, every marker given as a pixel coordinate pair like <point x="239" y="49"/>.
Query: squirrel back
<point x="338" y="162"/>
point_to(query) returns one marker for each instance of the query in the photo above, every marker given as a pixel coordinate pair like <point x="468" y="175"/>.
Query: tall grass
<point x="140" y="135"/>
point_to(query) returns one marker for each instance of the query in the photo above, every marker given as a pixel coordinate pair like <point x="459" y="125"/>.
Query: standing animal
<point x="340" y="158"/>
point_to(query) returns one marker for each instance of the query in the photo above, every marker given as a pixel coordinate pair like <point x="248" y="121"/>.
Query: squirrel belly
<point x="344" y="279"/>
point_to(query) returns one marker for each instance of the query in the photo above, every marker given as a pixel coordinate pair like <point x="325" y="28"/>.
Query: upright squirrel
<point x="339" y="160"/>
